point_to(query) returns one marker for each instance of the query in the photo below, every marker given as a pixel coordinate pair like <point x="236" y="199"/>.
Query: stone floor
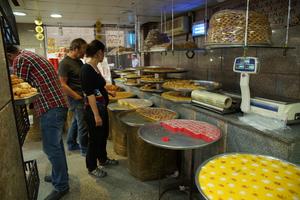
<point x="118" y="185"/>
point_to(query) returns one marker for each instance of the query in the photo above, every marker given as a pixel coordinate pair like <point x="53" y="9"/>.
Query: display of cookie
<point x="157" y="114"/>
<point x="176" y="97"/>
<point x="21" y="89"/>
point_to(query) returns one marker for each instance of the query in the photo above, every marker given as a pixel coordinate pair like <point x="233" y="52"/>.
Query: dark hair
<point x="94" y="47"/>
<point x="77" y="43"/>
<point x="12" y="49"/>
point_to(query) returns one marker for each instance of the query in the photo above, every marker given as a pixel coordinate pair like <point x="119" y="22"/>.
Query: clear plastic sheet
<point x="228" y="27"/>
<point x="263" y="123"/>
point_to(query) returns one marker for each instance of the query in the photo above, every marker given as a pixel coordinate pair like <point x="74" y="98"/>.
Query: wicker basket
<point x="147" y="162"/>
<point x="227" y="27"/>
<point x="118" y="132"/>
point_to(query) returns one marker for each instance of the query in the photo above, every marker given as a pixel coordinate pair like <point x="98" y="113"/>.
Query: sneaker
<point x="48" y="179"/>
<point x="99" y="173"/>
<point x="56" y="195"/>
<point x="110" y="162"/>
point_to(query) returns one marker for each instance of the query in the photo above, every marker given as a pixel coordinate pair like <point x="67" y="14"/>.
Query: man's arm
<point x="68" y="91"/>
<point x="21" y="69"/>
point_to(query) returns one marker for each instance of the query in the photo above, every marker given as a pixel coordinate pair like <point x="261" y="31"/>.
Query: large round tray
<point x="154" y="69"/>
<point x="119" y="80"/>
<point x="143" y="81"/>
<point x="117" y="107"/>
<point x="26" y="100"/>
<point x="176" y="101"/>
<point x="203" y="85"/>
<point x="133" y="84"/>
<point x="114" y="99"/>
<point x="152" y="90"/>
<point x="132" y="118"/>
<point x="257" y="177"/>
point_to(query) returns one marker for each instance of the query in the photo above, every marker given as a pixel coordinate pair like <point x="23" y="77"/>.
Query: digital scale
<point x="283" y="111"/>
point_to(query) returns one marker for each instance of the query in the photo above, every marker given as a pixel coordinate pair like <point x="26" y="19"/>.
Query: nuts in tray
<point x="21" y="89"/>
<point x="181" y="85"/>
<point x="227" y="27"/>
<point x="157" y="114"/>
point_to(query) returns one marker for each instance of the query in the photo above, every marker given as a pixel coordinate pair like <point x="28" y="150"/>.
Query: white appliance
<point x="284" y="111"/>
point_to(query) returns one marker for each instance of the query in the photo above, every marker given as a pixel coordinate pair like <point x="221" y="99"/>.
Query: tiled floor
<point x="118" y="185"/>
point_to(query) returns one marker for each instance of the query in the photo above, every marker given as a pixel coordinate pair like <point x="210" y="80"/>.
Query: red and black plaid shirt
<point x="39" y="72"/>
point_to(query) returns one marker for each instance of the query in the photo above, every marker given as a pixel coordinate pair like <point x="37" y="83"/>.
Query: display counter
<point x="238" y="136"/>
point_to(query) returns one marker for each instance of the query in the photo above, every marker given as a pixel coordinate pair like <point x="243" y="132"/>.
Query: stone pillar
<point x="12" y="176"/>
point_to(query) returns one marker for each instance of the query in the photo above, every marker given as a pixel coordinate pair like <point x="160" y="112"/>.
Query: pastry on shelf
<point x="135" y="103"/>
<point x="151" y="79"/>
<point x="185" y="85"/>
<point x="157" y="114"/>
<point x="132" y="75"/>
<point x="21" y="89"/>
<point x="121" y="95"/>
<point x="177" y="97"/>
<point x="113" y="88"/>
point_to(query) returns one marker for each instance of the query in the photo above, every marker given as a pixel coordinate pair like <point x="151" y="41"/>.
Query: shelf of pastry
<point x="261" y="46"/>
<point x="32" y="179"/>
<point x="163" y="70"/>
<point x="28" y="99"/>
<point x="174" y="50"/>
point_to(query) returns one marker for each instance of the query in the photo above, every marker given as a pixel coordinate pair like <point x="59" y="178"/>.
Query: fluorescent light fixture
<point x="56" y="15"/>
<point x="20" y="13"/>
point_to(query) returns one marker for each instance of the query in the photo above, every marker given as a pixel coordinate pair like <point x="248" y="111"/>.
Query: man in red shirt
<point x="50" y="107"/>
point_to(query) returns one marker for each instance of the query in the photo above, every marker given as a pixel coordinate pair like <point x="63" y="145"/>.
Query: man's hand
<point x="98" y="120"/>
<point x="112" y="93"/>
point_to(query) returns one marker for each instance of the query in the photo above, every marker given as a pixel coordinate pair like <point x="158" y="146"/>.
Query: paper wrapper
<point x="211" y="98"/>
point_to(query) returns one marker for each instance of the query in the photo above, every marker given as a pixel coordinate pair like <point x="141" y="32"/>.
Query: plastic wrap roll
<point x="214" y="99"/>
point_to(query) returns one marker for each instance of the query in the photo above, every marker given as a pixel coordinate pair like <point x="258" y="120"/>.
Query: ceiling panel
<point x="85" y="13"/>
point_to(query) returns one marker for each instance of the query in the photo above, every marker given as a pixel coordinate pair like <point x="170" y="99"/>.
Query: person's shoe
<point x="98" y="173"/>
<point x="110" y="162"/>
<point x="48" y="179"/>
<point x="56" y="195"/>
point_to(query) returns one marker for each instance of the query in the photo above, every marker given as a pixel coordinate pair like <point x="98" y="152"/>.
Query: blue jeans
<point x="52" y="124"/>
<point x="78" y="127"/>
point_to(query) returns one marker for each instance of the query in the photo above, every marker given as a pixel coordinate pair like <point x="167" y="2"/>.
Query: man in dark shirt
<point x="69" y="74"/>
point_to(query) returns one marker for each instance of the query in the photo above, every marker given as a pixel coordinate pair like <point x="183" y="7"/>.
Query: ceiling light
<point x="56" y="15"/>
<point x="20" y="14"/>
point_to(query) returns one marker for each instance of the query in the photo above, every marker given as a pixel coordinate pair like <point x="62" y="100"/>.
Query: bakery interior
<point x="216" y="90"/>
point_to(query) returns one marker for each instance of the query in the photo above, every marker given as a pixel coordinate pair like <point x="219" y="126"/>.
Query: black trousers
<point x="97" y="137"/>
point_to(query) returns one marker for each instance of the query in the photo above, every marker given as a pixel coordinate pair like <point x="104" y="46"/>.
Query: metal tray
<point x="132" y="118"/>
<point x="27" y="100"/>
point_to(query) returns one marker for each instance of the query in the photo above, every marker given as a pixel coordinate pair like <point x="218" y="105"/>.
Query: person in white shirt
<point x="134" y="60"/>
<point x="105" y="71"/>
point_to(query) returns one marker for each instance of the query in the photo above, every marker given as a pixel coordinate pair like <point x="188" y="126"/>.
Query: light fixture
<point x="56" y="15"/>
<point x="20" y="13"/>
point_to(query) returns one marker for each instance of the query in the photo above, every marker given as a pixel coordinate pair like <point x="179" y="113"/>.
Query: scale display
<point x="246" y="65"/>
